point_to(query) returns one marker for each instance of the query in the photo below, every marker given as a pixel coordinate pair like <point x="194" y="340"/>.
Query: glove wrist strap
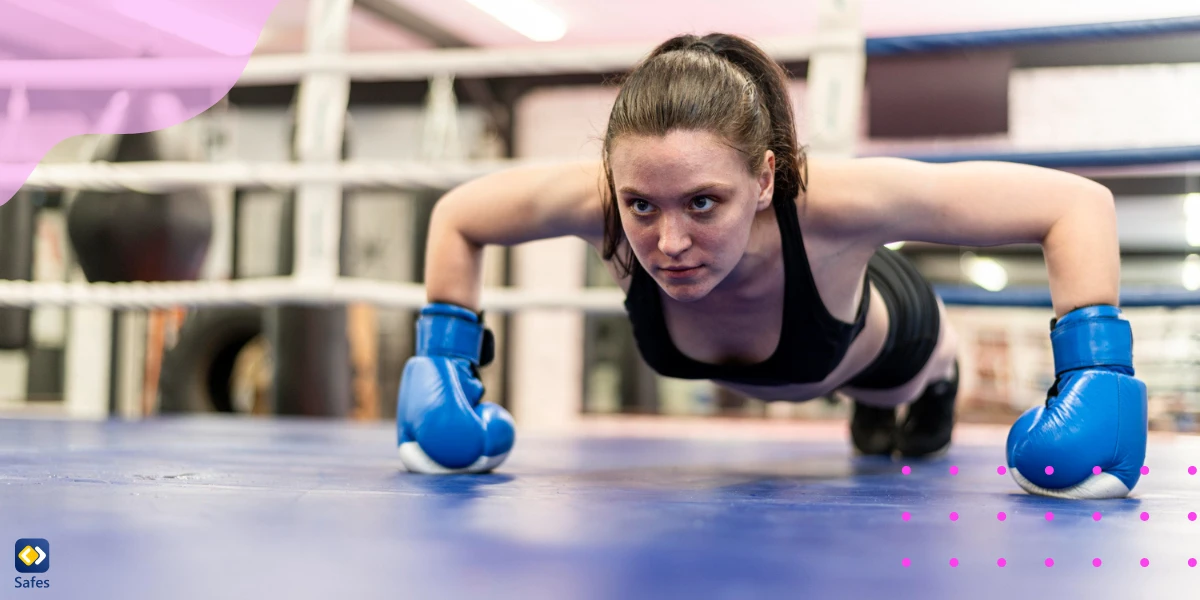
<point x="1093" y="336"/>
<point x="451" y="330"/>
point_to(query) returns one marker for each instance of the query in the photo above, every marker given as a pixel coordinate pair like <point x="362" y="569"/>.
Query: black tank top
<point x="812" y="344"/>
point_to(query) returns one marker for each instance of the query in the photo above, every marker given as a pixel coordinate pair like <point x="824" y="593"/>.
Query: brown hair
<point x="719" y="83"/>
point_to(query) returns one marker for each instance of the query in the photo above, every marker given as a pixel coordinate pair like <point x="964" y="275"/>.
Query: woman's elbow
<point x="1099" y="197"/>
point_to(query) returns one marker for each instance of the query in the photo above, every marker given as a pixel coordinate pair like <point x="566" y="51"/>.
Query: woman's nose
<point x="673" y="238"/>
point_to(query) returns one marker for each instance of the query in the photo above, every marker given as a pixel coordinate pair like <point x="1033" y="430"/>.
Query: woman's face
<point x="687" y="204"/>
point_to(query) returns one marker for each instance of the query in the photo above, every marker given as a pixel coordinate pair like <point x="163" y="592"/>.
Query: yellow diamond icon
<point x="27" y="555"/>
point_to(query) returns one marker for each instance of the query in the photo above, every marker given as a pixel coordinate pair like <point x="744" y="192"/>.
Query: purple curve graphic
<point x="74" y="67"/>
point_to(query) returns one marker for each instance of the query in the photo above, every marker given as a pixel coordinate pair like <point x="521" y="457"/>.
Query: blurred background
<point x="556" y="367"/>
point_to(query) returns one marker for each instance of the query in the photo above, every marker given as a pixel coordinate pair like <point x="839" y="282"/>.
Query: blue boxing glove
<point x="1094" y="415"/>
<point x="441" y="424"/>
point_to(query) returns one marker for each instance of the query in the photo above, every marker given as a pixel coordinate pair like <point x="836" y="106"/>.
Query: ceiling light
<point x="1191" y="213"/>
<point x="527" y="17"/>
<point x="984" y="272"/>
<point x="1191" y="273"/>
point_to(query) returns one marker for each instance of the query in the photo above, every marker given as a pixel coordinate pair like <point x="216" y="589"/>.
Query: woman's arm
<point x="506" y="208"/>
<point x="989" y="204"/>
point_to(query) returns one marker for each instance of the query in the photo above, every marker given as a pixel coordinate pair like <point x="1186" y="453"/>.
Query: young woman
<point x="748" y="264"/>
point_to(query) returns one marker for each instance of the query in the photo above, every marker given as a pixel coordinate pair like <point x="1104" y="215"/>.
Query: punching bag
<point x="17" y="228"/>
<point x="311" y="350"/>
<point x="134" y="236"/>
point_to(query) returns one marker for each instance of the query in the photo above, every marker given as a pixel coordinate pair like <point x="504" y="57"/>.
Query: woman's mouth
<point x="681" y="272"/>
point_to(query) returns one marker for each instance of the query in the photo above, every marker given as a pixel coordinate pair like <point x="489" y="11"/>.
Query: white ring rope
<point x="171" y="73"/>
<point x="164" y="176"/>
<point x="154" y="176"/>
<point x="284" y="290"/>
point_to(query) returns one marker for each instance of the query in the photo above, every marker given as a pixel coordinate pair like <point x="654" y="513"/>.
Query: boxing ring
<point x="630" y="507"/>
<point x="204" y="507"/>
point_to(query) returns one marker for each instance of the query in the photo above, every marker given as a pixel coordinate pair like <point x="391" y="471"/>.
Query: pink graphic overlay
<point x="1048" y="562"/>
<point x="113" y="67"/>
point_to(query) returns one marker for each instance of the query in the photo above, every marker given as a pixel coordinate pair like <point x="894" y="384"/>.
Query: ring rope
<point x="418" y="65"/>
<point x="162" y="176"/>
<point x="165" y="176"/>
<point x="269" y="291"/>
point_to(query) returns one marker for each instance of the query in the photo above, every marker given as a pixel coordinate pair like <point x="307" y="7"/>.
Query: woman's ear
<point x="766" y="181"/>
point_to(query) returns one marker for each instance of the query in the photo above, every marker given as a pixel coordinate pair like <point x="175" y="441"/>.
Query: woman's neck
<point x="757" y="281"/>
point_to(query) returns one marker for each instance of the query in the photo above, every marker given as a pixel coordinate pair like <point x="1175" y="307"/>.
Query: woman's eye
<point x="704" y="203"/>
<point x="639" y="206"/>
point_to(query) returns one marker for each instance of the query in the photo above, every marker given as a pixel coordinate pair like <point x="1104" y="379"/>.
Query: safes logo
<point x="33" y="555"/>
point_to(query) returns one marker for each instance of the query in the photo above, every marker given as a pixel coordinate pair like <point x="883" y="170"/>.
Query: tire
<point x="197" y="373"/>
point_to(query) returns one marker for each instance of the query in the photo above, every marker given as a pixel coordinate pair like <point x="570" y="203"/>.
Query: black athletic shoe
<point x="873" y="429"/>
<point x="926" y="429"/>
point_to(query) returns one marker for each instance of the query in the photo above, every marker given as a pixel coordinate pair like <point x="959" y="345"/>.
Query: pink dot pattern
<point x="1001" y="516"/>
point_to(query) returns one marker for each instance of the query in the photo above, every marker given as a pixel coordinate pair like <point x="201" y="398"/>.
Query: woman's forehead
<point x="675" y="156"/>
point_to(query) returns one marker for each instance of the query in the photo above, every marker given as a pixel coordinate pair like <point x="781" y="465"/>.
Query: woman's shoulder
<point x="838" y="190"/>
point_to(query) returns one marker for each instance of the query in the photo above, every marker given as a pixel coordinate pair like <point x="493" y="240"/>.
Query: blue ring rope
<point x="1077" y="158"/>
<point x="940" y="42"/>
<point x="1039" y="297"/>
